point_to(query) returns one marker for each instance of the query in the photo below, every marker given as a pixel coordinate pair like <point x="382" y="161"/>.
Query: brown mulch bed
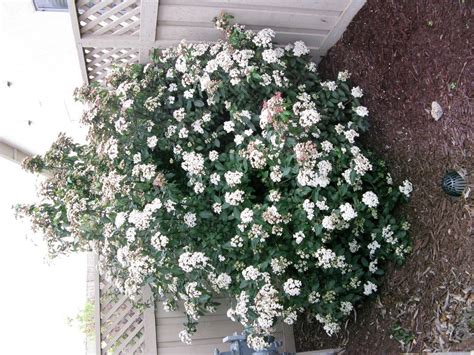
<point x="406" y="54"/>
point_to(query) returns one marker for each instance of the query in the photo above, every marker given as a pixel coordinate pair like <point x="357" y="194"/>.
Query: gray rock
<point x="436" y="110"/>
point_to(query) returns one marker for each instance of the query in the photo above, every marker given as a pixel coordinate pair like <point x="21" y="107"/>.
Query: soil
<point x="406" y="54"/>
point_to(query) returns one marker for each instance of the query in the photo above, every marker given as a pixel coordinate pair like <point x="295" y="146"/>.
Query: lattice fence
<point x="122" y="328"/>
<point x="111" y="32"/>
<point x="109" y="17"/>
<point x="99" y="61"/>
<point x="121" y="324"/>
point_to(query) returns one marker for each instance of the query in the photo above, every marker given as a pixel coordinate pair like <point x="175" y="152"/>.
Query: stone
<point x="436" y="110"/>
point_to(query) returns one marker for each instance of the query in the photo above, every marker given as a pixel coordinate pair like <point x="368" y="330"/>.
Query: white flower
<point x="190" y="261"/>
<point x="322" y="205"/>
<point x="180" y="64"/>
<point x="351" y="135"/>
<point x="274" y="196"/>
<point x="370" y="199"/>
<point x="177" y="149"/>
<point x="276" y="174"/>
<point x="369" y="288"/>
<point x="299" y="237"/>
<point x="290" y="318"/>
<point x="343" y="75"/>
<point x="264" y="38"/>
<point x="269" y="56"/>
<point x="179" y="114"/>
<point x="233" y="178"/>
<point x="308" y="206"/>
<point x="229" y="126"/>
<point x="206" y="117"/>
<point x="279" y="265"/>
<point x="257" y="343"/>
<point x="223" y="281"/>
<point x="215" y="178"/>
<point x="198" y="188"/>
<point x="185" y="337"/>
<point x="120" y="219"/>
<point x="347" y="212"/>
<point x="326" y="258"/>
<point x="237" y="241"/>
<point x="361" y="111"/>
<point x="173" y="87"/>
<point x="346" y="307"/>
<point x="191" y="289"/>
<point x="213" y="155"/>
<point x="197" y="126"/>
<point x="190" y="219"/>
<point x="152" y="141"/>
<point x="314" y="297"/>
<point x="339" y="128"/>
<point x="373" y="266"/>
<point x="327" y="146"/>
<point x="238" y="139"/>
<point x="328" y="223"/>
<point x="193" y="163"/>
<point x="246" y="216"/>
<point x="217" y="208"/>
<point x="292" y="287"/>
<point x="300" y="49"/>
<point x="183" y="133"/>
<point x="354" y="246"/>
<point x="357" y="92"/>
<point x="309" y="118"/>
<point x="373" y="246"/>
<point x="406" y="188"/>
<point x="234" y="198"/>
<point x="159" y="241"/>
<point x="137" y="158"/>
<point x="250" y="273"/>
<point x="121" y="125"/>
<point x="330" y="85"/>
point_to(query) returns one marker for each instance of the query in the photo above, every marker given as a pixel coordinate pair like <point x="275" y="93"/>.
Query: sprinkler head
<point x="453" y="184"/>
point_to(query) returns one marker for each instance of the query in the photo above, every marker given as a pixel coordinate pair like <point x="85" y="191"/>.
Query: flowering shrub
<point x="227" y="169"/>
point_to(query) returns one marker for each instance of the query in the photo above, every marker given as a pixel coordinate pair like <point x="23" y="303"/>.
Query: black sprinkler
<point x="453" y="184"/>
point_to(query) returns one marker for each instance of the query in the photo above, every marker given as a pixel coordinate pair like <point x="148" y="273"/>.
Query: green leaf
<point x="205" y="214"/>
<point x="198" y="103"/>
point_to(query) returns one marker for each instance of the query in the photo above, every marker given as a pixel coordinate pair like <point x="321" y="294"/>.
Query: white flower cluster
<point x="233" y="178"/>
<point x="193" y="163"/>
<point x="159" y="241"/>
<point x="190" y="261"/>
<point x="347" y="212"/>
<point x="406" y="188"/>
<point x="292" y="287"/>
<point x="370" y="199"/>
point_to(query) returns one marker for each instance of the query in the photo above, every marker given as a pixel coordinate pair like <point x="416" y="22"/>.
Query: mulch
<point x="406" y="54"/>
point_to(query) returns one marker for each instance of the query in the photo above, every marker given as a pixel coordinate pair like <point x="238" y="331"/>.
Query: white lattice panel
<point x="99" y="61"/>
<point x="122" y="325"/>
<point x="109" y="17"/>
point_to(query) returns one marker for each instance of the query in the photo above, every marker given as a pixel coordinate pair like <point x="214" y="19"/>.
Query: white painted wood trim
<point x="288" y="338"/>
<point x="336" y="32"/>
<point x="12" y="153"/>
<point x="149" y="322"/>
<point x="98" y="337"/>
<point x="148" y="23"/>
<point x="77" y="37"/>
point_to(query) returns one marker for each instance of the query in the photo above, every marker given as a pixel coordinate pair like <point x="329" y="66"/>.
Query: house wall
<point x="40" y="61"/>
<point x="126" y="30"/>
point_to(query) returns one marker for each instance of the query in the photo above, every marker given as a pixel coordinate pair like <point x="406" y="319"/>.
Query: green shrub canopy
<point x="227" y="170"/>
